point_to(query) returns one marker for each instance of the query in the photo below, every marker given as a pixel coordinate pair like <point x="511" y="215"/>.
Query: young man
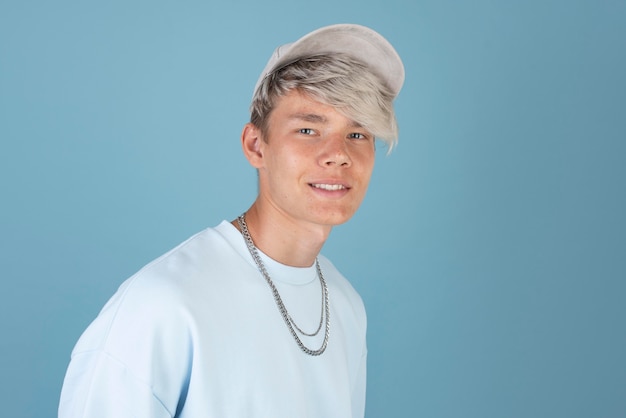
<point x="247" y="319"/>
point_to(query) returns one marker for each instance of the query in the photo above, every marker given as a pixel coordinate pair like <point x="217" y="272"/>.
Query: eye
<point x="358" y="135"/>
<point x="306" y="131"/>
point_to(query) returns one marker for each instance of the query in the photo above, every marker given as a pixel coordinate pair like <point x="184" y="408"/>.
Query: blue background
<point x="490" y="251"/>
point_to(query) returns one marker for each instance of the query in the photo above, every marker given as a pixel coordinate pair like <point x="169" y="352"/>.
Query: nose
<point x="335" y="152"/>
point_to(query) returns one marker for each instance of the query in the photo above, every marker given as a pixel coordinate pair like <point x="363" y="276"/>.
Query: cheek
<point x="293" y="159"/>
<point x="367" y="166"/>
<point x="284" y="167"/>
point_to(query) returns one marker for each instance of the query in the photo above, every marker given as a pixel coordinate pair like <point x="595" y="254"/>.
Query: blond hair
<point x="337" y="80"/>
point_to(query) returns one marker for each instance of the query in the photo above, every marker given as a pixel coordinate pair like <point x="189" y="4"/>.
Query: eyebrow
<point x="315" y="118"/>
<point x="308" y="117"/>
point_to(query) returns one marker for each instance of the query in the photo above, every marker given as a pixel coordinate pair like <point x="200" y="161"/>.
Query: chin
<point x="334" y="219"/>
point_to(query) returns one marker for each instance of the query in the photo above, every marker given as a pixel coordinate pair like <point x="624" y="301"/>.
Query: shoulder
<point x="158" y="301"/>
<point x="341" y="288"/>
<point x="336" y="278"/>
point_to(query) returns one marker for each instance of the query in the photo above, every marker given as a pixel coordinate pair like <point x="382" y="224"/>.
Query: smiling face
<point x="314" y="163"/>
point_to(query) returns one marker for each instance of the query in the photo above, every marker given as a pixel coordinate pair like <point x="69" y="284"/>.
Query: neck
<point x="283" y="239"/>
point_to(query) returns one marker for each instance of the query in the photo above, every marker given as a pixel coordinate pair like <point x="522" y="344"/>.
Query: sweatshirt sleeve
<point x="358" y="395"/>
<point x="134" y="359"/>
<point x="100" y="386"/>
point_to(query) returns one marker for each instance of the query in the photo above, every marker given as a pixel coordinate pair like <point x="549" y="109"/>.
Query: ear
<point x="252" y="145"/>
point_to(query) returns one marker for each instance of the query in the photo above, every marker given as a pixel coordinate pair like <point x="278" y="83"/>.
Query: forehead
<point x="299" y="106"/>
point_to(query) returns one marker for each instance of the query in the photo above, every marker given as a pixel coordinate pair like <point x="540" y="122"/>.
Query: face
<point x="314" y="164"/>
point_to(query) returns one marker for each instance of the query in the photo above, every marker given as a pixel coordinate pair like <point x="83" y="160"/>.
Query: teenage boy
<point x="247" y="319"/>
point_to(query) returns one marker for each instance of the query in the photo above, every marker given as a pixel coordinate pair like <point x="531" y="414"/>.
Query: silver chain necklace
<point x="293" y="328"/>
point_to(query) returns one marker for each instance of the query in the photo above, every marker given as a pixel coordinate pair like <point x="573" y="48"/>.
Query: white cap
<point x="360" y="42"/>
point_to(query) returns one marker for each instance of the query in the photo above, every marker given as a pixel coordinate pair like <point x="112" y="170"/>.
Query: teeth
<point x="328" y="186"/>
